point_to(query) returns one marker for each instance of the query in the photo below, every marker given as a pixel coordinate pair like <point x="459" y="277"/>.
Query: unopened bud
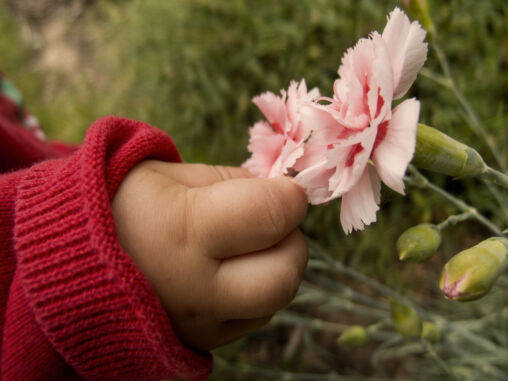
<point x="471" y="273"/>
<point x="430" y="332"/>
<point x="419" y="243"/>
<point x="405" y="320"/>
<point x="354" y="336"/>
<point x="440" y="153"/>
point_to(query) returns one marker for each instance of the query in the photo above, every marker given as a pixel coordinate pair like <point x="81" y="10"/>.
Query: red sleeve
<point x="20" y="147"/>
<point x="73" y="304"/>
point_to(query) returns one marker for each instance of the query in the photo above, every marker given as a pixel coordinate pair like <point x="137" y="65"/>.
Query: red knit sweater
<point x="72" y="303"/>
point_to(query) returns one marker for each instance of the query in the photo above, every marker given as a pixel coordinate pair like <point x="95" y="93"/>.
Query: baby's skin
<point x="221" y="249"/>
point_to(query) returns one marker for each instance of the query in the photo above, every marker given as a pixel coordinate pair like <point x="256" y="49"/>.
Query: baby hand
<point x="220" y="248"/>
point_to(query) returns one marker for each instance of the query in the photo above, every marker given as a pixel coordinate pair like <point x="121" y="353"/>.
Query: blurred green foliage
<point x="191" y="67"/>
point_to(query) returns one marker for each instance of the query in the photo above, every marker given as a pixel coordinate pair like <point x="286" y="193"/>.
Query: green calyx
<point x="440" y="153"/>
<point x="419" y="243"/>
<point x="470" y="274"/>
<point x="354" y="336"/>
<point x="405" y="320"/>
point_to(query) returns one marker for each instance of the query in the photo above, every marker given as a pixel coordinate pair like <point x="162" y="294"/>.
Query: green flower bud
<point x="430" y="332"/>
<point x="405" y="320"/>
<point x="440" y="153"/>
<point x="471" y="273"/>
<point x="419" y="243"/>
<point x="354" y="336"/>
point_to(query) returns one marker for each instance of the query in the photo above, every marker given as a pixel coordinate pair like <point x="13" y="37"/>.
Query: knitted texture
<point x="77" y="304"/>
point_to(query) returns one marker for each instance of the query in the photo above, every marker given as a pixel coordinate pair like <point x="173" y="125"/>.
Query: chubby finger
<point x="258" y="284"/>
<point x="244" y="215"/>
<point x="198" y="175"/>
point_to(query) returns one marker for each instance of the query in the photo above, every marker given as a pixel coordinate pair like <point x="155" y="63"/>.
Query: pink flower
<point x="276" y="145"/>
<point x="357" y="139"/>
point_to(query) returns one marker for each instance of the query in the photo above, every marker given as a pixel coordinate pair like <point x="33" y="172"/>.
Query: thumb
<point x="244" y="215"/>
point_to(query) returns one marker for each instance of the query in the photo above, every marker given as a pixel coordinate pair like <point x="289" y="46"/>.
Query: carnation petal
<point x="394" y="152"/>
<point x="380" y="92"/>
<point x="265" y="145"/>
<point x="315" y="182"/>
<point x="289" y="153"/>
<point x="349" y="90"/>
<point x="360" y="204"/>
<point x="274" y="109"/>
<point x="325" y="130"/>
<point x="346" y="176"/>
<point x="407" y="50"/>
<point x="297" y="99"/>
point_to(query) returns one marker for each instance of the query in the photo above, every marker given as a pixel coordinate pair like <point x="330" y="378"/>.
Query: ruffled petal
<point x="407" y="50"/>
<point x="265" y="146"/>
<point x="349" y="90"/>
<point x="325" y="130"/>
<point x="315" y="182"/>
<point x="394" y="152"/>
<point x="360" y="204"/>
<point x="380" y="92"/>
<point x="356" y="149"/>
<point x="297" y="99"/>
<point x="289" y="153"/>
<point x="274" y="109"/>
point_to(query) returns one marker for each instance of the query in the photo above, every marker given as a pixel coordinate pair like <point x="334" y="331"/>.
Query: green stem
<point x="455" y="219"/>
<point x="335" y="303"/>
<point x="345" y="291"/>
<point x="285" y="317"/>
<point x="276" y="374"/>
<point x="501" y="199"/>
<point x="495" y="176"/>
<point x="439" y="79"/>
<point x="332" y="264"/>
<point x="421" y="181"/>
<point x="288" y="318"/>
<point x="433" y="354"/>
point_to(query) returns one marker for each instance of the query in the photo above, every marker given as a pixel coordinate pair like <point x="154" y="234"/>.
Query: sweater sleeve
<point x="77" y="307"/>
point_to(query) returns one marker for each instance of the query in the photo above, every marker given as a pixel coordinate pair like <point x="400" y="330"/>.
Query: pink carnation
<point x="357" y="139"/>
<point x="346" y="147"/>
<point x="276" y="145"/>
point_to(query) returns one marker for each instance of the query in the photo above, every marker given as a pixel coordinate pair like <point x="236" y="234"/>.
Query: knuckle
<point x="223" y="173"/>
<point x="189" y="228"/>
<point x="275" y="212"/>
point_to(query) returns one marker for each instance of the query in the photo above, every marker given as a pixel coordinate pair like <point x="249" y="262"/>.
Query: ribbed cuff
<point x="96" y="308"/>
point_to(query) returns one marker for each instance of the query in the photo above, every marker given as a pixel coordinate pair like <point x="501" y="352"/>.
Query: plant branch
<point x="495" y="176"/>
<point x="420" y="181"/>
<point x="455" y="219"/>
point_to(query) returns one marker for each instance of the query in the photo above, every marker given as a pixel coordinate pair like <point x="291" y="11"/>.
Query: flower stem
<point x="238" y="368"/>
<point x="455" y="219"/>
<point x="444" y="366"/>
<point x="495" y="176"/>
<point x="420" y="181"/>
<point x="288" y="318"/>
<point x="338" y="267"/>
